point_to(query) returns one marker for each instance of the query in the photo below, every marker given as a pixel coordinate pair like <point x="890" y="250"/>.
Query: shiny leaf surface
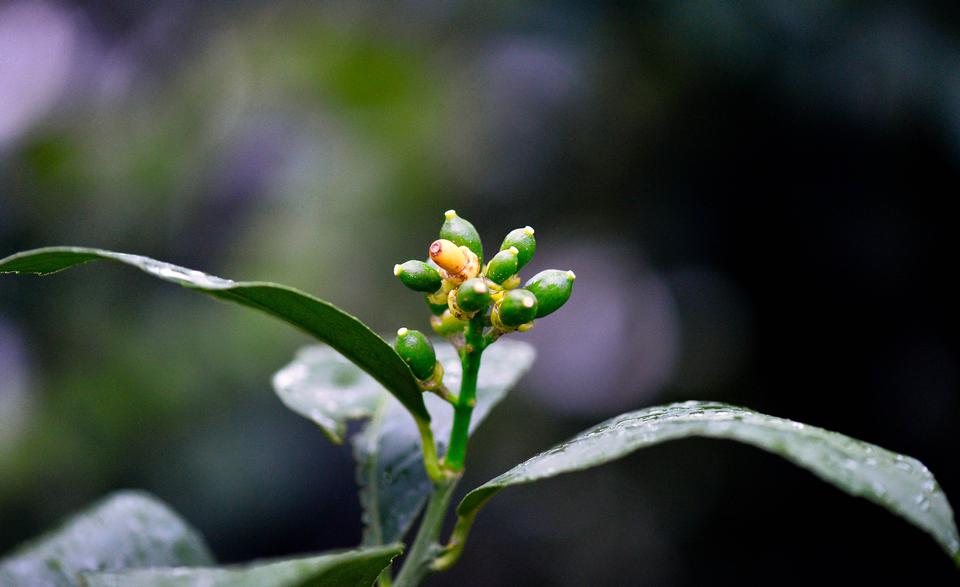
<point x="323" y="386"/>
<point x="125" y="530"/>
<point x="899" y="483"/>
<point x="326" y="322"/>
<point x="352" y="568"/>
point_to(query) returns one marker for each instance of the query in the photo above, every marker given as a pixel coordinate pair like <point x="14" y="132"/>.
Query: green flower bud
<point x="414" y="348"/>
<point x="473" y="295"/>
<point x="552" y="288"/>
<point x="461" y="233"/>
<point x="503" y="265"/>
<point x="522" y="238"/>
<point x="518" y="306"/>
<point x="446" y="323"/>
<point x="418" y="276"/>
<point x="436" y="309"/>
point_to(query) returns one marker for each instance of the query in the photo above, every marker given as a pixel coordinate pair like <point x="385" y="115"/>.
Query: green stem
<point x="467" y="399"/>
<point x="422" y="558"/>
<point x="458" y="539"/>
<point x="419" y="560"/>
<point x="430" y="461"/>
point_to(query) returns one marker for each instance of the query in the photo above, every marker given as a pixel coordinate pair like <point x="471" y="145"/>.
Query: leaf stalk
<point x="430" y="461"/>
<point x="458" y="539"/>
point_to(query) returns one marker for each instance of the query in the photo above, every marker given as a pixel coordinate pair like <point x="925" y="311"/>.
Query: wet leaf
<point x="352" y="568"/>
<point x="321" y="385"/>
<point x="340" y="330"/>
<point x="901" y="484"/>
<point x="125" y="530"/>
<point x="324" y="387"/>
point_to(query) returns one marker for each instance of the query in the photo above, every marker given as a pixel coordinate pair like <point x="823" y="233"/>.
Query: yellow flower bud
<point x="457" y="264"/>
<point x="448" y="256"/>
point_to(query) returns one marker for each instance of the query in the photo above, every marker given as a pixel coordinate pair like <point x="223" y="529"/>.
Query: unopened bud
<point x="552" y="288"/>
<point x="518" y="307"/>
<point x="503" y="265"/>
<point x="417" y="351"/>
<point x="462" y="233"/>
<point x="522" y="239"/>
<point x="448" y="256"/>
<point x="418" y="276"/>
<point x="473" y="295"/>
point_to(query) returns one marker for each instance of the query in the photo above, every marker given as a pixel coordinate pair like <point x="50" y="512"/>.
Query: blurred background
<point x="755" y="197"/>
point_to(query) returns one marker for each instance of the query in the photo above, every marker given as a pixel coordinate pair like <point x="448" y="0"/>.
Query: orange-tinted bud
<point x="448" y="256"/>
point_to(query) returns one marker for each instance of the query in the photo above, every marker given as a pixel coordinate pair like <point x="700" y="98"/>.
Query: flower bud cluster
<point x="459" y="287"/>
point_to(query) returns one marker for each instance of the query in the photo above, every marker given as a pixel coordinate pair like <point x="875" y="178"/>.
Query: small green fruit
<point x="522" y="238"/>
<point x="446" y="323"/>
<point x="503" y="265"/>
<point x="418" y="276"/>
<point x="415" y="349"/>
<point x="473" y="295"/>
<point x="518" y="306"/>
<point x="461" y="233"/>
<point x="552" y="288"/>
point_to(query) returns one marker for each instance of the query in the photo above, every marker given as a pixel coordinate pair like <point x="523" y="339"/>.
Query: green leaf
<point x="124" y="530"/>
<point x="325" y="388"/>
<point x="320" y="384"/>
<point x="901" y="484"/>
<point x="346" y="334"/>
<point x="352" y="568"/>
